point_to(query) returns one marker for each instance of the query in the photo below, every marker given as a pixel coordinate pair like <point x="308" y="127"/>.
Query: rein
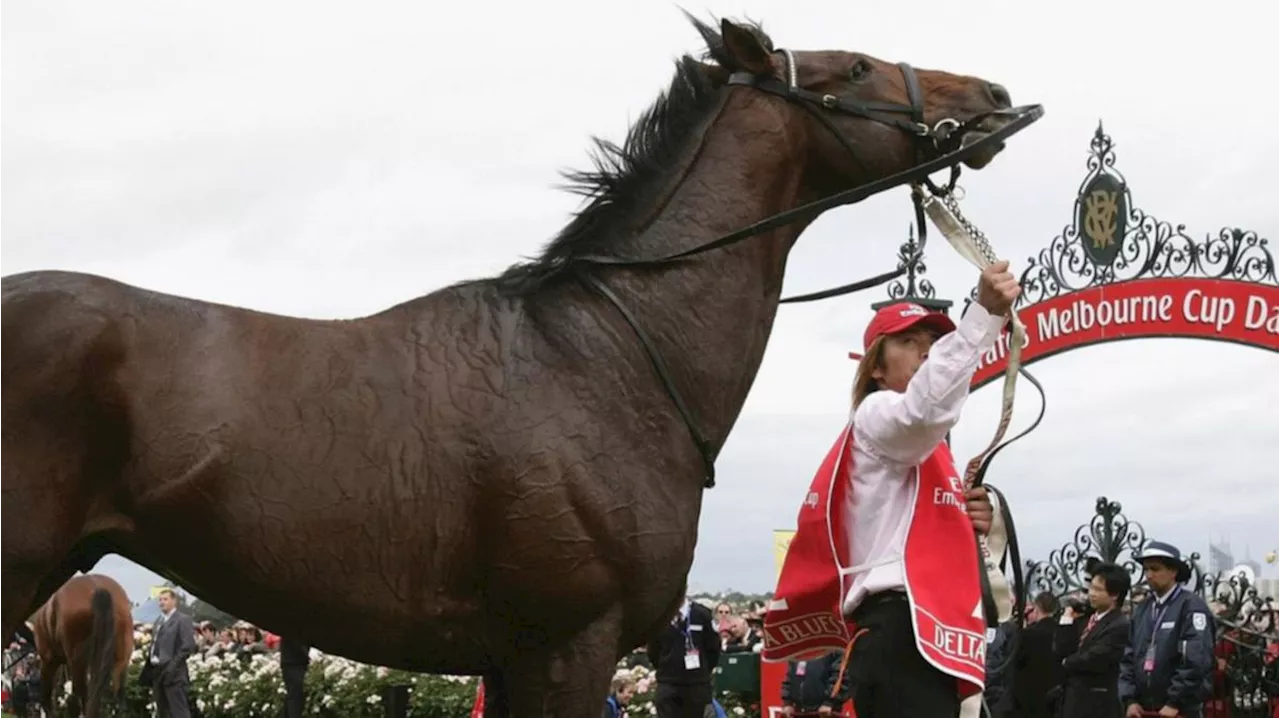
<point x="944" y="140"/>
<point x="972" y="244"/>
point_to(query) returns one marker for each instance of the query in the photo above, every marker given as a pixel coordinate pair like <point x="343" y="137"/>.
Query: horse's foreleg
<point x="569" y="680"/>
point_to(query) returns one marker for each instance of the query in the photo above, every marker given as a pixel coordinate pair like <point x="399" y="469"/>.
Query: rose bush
<point x="250" y="686"/>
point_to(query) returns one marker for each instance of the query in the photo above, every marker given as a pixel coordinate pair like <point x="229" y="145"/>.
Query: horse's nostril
<point x="1000" y="95"/>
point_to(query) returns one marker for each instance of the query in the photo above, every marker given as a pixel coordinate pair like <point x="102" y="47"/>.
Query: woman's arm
<point x="905" y="428"/>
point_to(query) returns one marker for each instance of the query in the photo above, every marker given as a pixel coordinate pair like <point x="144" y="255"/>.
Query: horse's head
<point x="860" y="118"/>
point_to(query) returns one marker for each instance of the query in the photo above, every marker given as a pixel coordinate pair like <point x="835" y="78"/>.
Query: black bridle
<point x="943" y="142"/>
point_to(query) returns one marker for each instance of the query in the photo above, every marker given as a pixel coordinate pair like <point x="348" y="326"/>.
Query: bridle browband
<point x="942" y="141"/>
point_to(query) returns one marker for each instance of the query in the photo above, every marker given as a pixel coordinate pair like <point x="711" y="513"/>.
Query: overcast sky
<point x="329" y="160"/>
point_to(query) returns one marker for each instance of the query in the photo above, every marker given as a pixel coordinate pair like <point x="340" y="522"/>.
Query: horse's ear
<point x="745" y="49"/>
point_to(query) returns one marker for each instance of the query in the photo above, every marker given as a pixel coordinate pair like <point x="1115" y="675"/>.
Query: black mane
<point x="622" y="177"/>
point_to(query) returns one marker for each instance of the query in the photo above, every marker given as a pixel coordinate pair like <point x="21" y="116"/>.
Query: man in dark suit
<point x="1091" y="646"/>
<point x="1037" y="673"/>
<point x="173" y="640"/>
<point x="683" y="655"/>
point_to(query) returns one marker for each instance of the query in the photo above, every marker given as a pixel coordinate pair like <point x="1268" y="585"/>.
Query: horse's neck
<point x="711" y="317"/>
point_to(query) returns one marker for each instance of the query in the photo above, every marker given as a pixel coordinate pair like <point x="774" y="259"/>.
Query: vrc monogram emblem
<point x="1103" y="209"/>
<point x="1100" y="218"/>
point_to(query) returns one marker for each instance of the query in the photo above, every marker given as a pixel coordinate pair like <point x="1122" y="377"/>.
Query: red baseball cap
<point x="901" y="317"/>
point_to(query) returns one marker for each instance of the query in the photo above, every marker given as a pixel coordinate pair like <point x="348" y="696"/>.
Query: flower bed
<point x="250" y="686"/>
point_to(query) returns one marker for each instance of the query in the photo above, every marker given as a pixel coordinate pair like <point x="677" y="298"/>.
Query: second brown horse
<point x="86" y="626"/>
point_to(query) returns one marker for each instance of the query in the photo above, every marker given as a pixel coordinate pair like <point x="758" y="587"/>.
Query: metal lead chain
<point x="979" y="239"/>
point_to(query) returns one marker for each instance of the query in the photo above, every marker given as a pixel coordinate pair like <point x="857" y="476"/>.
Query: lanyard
<point x="1155" y="624"/>
<point x="683" y="622"/>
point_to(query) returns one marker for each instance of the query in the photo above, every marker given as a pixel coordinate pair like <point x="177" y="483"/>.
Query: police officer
<point x="1168" y="663"/>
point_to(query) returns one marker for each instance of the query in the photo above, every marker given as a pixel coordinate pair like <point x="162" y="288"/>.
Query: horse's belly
<point x="339" y="545"/>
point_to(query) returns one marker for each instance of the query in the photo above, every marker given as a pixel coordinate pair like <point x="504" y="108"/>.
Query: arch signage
<point x="1117" y="273"/>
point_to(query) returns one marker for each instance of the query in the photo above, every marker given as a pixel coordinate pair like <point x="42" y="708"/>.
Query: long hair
<point x="863" y="382"/>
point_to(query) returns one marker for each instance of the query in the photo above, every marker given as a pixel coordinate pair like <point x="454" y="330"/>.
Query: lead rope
<point x="972" y="244"/>
<point x="844" y="662"/>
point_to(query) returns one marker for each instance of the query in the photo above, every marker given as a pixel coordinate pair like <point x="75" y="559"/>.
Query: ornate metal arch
<point x="1109" y="536"/>
<point x="1109" y="240"/>
<point x="1145" y="247"/>
<point x="1149" y="248"/>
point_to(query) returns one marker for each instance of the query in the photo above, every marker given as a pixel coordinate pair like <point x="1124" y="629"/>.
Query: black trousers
<point x="171" y="700"/>
<point x="294" y="699"/>
<point x="682" y="701"/>
<point x="890" y="678"/>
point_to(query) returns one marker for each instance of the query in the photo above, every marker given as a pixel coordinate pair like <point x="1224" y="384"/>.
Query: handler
<point x="908" y="543"/>
<point x="890" y="503"/>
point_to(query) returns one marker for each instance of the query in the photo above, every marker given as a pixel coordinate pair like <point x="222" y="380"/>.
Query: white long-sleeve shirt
<point x="892" y="434"/>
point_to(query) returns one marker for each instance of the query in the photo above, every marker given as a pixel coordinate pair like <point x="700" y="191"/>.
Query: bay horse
<point x="87" y="627"/>
<point x="491" y="479"/>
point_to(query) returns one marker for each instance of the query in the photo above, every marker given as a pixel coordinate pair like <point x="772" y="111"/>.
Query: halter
<point x="943" y="139"/>
<point x="851" y="105"/>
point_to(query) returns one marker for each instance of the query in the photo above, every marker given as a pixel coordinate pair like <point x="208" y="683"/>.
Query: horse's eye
<point x="860" y="70"/>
